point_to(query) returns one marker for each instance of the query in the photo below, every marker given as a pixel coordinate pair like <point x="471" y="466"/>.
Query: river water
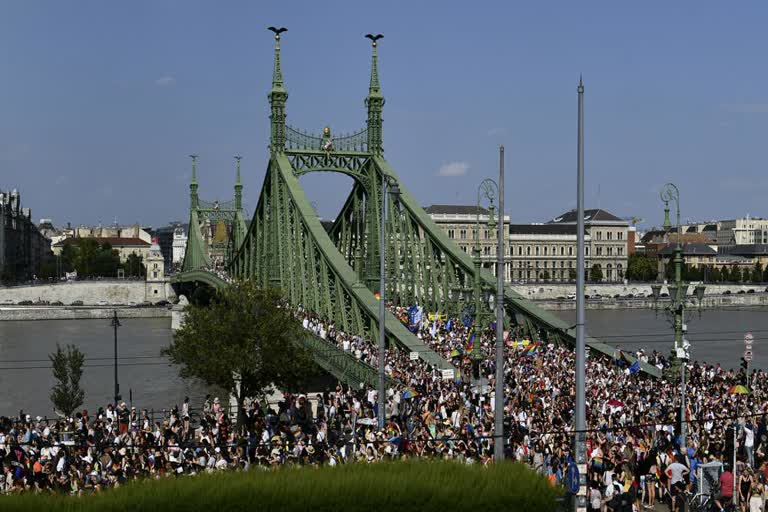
<point x="26" y="379"/>
<point x="715" y="336"/>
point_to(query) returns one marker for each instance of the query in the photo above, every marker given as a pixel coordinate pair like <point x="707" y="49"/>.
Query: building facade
<point x="23" y="248"/>
<point x="179" y="247"/>
<point x="124" y="246"/>
<point x="543" y="252"/>
<point x="745" y="231"/>
<point x="461" y="224"/>
<point x="156" y="283"/>
<point x="608" y="237"/>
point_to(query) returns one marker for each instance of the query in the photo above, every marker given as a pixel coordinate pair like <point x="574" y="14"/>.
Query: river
<point x="26" y="379"/>
<point x="715" y="336"/>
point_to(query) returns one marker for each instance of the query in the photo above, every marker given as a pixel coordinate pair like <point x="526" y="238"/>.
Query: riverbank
<point x="16" y="313"/>
<point x="751" y="300"/>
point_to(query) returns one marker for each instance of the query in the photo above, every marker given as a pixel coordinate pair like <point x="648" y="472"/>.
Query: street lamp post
<point x="388" y="184"/>
<point x="677" y="294"/>
<point x="115" y="324"/>
<point x="490" y="190"/>
<point x="580" y="420"/>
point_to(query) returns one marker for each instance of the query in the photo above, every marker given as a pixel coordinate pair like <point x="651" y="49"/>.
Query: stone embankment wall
<point x="542" y="291"/>
<point x="78" y="313"/>
<point x="603" y="296"/>
<point x="88" y="292"/>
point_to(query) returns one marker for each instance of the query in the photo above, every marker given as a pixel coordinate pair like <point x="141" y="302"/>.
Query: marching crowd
<point x="634" y="453"/>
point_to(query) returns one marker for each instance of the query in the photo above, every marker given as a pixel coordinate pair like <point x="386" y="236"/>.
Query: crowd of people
<point x="635" y="458"/>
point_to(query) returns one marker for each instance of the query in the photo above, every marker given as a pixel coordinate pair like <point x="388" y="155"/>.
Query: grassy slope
<point x="422" y="486"/>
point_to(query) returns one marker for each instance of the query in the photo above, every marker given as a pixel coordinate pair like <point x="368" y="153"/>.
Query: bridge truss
<point x="335" y="273"/>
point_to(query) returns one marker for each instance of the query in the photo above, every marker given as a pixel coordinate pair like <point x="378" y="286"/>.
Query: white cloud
<point x="165" y="81"/>
<point x="453" y="169"/>
<point x="746" y="108"/>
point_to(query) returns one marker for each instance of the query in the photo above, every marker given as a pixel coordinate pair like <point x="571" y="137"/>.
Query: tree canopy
<point x="244" y="332"/>
<point x="67" y="395"/>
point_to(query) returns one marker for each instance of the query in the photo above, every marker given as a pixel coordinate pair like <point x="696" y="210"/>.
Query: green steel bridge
<point x="335" y="273"/>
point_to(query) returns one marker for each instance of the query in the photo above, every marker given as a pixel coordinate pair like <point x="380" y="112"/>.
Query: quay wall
<point x="79" y="313"/>
<point x="111" y="292"/>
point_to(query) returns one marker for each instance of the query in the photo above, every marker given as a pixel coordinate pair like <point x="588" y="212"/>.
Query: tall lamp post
<point x="580" y="448"/>
<point x="388" y="184"/>
<point x="677" y="295"/>
<point x="115" y="323"/>
<point x="489" y="190"/>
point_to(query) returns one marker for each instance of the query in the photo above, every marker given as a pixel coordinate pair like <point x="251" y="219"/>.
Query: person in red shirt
<point x="726" y="488"/>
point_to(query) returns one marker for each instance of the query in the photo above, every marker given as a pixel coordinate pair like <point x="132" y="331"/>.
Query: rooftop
<point x="542" y="229"/>
<point x="111" y="240"/>
<point x="594" y="215"/>
<point x="689" y="250"/>
<point x="455" y="209"/>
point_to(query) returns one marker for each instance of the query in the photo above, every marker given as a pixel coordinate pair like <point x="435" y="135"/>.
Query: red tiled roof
<point x="114" y="241"/>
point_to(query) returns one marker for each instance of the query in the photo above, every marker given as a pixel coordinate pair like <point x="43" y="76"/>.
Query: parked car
<point x="750" y="291"/>
<point x="76" y="303"/>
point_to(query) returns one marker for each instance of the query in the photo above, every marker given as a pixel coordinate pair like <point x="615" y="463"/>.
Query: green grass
<point x="390" y="487"/>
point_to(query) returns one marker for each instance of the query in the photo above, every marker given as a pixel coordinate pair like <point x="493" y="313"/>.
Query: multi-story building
<point x="607" y="247"/>
<point x="125" y="246"/>
<point x="544" y="252"/>
<point x="179" y="247"/>
<point x="168" y="238"/>
<point x="461" y="225"/>
<point x="744" y="231"/>
<point x="23" y="248"/>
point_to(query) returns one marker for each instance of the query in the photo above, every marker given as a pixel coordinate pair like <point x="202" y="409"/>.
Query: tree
<point x="571" y="274"/>
<point x="246" y="334"/>
<point x="757" y="273"/>
<point x="595" y="273"/>
<point x="715" y="275"/>
<point x="66" y="394"/>
<point x="134" y="266"/>
<point x="641" y="268"/>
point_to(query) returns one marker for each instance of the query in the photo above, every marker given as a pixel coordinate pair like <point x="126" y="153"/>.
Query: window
<point x="154" y="275"/>
<point x="520" y="250"/>
<point x="599" y="251"/>
<point x="570" y="251"/>
<point x="620" y="251"/>
<point x="463" y="234"/>
<point x="451" y="233"/>
<point x="485" y="234"/>
<point x="474" y="234"/>
<point x="599" y="235"/>
<point x="610" y="251"/>
<point x="155" y="265"/>
<point x="570" y="264"/>
<point x="546" y="264"/>
<point x="155" y="292"/>
<point x="620" y="235"/>
<point x="586" y="250"/>
<point x="562" y="250"/>
<point x="562" y="264"/>
<point x="537" y="264"/>
<point x="609" y="236"/>
<point x="536" y="249"/>
<point x="545" y="251"/>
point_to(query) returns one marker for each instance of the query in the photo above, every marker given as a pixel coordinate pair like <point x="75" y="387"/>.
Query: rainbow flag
<point x="531" y="350"/>
<point x="471" y="341"/>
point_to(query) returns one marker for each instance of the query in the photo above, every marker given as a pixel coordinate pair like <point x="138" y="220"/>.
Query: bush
<point x="401" y="486"/>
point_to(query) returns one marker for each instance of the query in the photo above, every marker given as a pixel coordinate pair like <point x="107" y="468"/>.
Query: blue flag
<point x="635" y="368"/>
<point x="449" y="325"/>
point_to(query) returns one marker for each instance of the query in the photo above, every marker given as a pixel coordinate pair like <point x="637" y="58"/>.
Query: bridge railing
<point x="330" y="357"/>
<point x="302" y="140"/>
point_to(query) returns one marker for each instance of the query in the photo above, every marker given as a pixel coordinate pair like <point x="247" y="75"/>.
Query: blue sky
<point x="101" y="102"/>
